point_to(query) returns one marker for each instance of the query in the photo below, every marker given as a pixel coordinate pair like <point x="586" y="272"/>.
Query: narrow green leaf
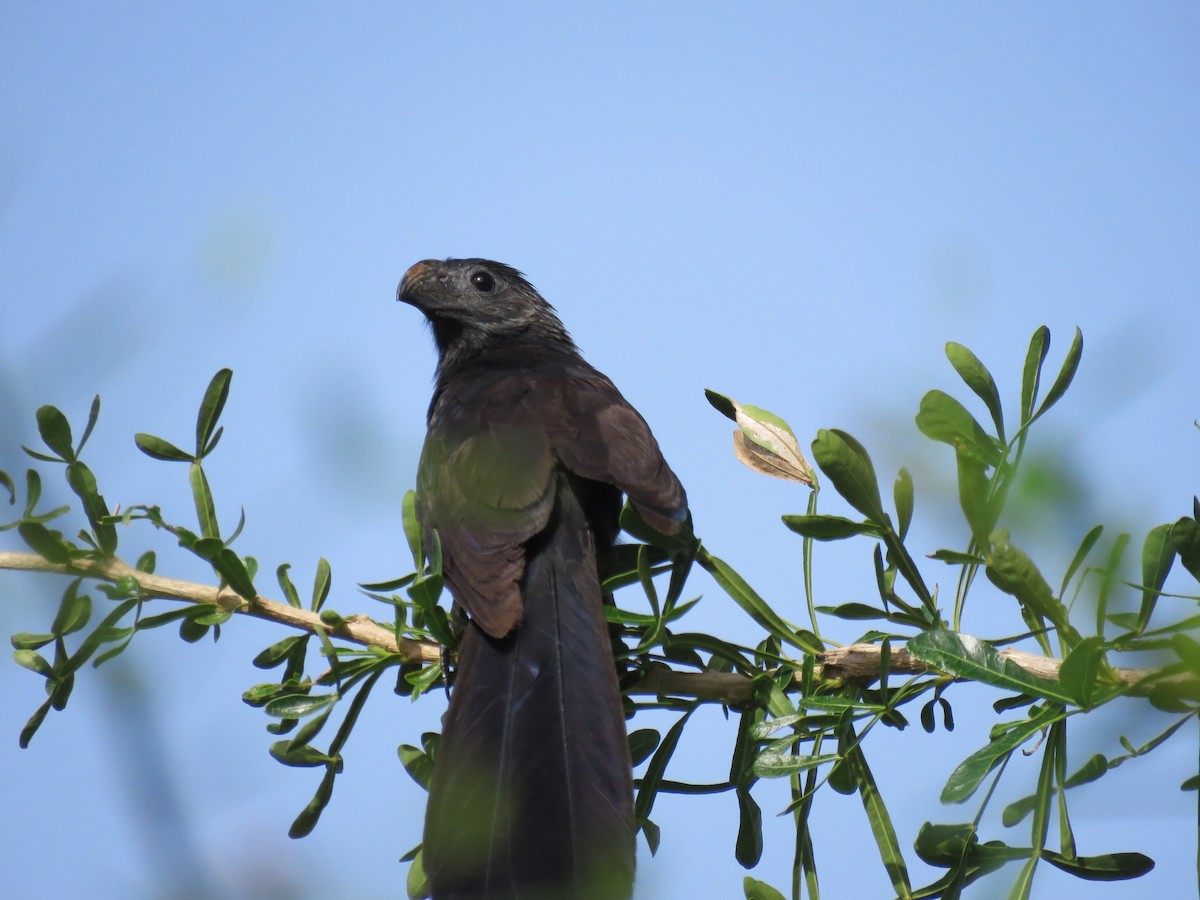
<point x="296" y="706"/>
<point x="279" y="651"/>
<point x="230" y="567"/>
<point x="303" y="756"/>
<point x="93" y="416"/>
<point x="7" y="483"/>
<point x="55" y="432"/>
<point x="782" y="764"/>
<point x="847" y="464"/>
<point x="24" y="640"/>
<point x="1065" y="375"/>
<point x="955" y="558"/>
<point x="1081" y="670"/>
<point x="1032" y="372"/>
<point x="902" y="493"/>
<point x="974" y="489"/>
<point x="977" y="377"/>
<point x="749" y="845"/>
<point x="651" y="781"/>
<point x="966" y="778"/>
<point x="34" y="723"/>
<point x="755" y="606"/>
<point x="157" y="448"/>
<point x="1158" y="552"/>
<point x="73" y="611"/>
<point x="206" y="512"/>
<point x="1105" y="867"/>
<point x="210" y="410"/>
<point x="45" y="542"/>
<point x="321" y="583"/>
<point x="1085" y="547"/>
<point x="311" y="814"/>
<point x="881" y="823"/>
<point x="828" y="528"/>
<point x="412" y="529"/>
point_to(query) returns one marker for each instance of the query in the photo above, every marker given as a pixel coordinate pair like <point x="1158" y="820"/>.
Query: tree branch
<point x="356" y="629"/>
<point x="856" y="663"/>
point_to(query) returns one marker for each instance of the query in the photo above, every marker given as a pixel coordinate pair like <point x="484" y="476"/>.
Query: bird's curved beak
<point x="408" y="290"/>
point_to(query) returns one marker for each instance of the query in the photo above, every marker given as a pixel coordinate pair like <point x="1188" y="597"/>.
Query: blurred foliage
<point x="795" y="717"/>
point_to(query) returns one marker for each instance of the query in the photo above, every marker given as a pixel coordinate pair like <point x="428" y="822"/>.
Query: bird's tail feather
<point x="531" y="794"/>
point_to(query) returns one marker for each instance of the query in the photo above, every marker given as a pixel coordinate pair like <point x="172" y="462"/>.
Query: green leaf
<point x="279" y="651"/>
<point x="651" y="781"/>
<point x="157" y="448"/>
<point x="412" y="529"/>
<point x="847" y="464"/>
<point x="93" y="416"/>
<point x="721" y="404"/>
<point x="971" y="771"/>
<point x="642" y="743"/>
<point x="1032" y="373"/>
<point x="902" y="493"/>
<point x="210" y="410"/>
<point x="1105" y="867"/>
<point x="828" y="528"/>
<point x="55" y="432"/>
<point x="977" y="377"/>
<point x="45" y="543"/>
<point x="755" y="606"/>
<point x="296" y="706"/>
<point x="1081" y="670"/>
<point x="1065" y="375"/>
<point x="749" y="845"/>
<point x="416" y="763"/>
<point x="759" y="890"/>
<point x="285" y="584"/>
<point x="300" y="756"/>
<point x="7" y="483"/>
<point x="34" y="662"/>
<point x="967" y="657"/>
<point x="206" y="512"/>
<point x="73" y="611"/>
<point x="1158" y="552"/>
<point x="311" y="814"/>
<point x="880" y="821"/>
<point x="973" y="496"/>
<point x="1096" y="766"/>
<point x="230" y="567"/>
<point x="24" y="640"/>
<point x="781" y="764"/>
<point x="942" y="418"/>
<point x="321" y="583"/>
<point x="1085" y="547"/>
<point x="955" y="558"/>
<point x="1010" y="569"/>
<point x="34" y="723"/>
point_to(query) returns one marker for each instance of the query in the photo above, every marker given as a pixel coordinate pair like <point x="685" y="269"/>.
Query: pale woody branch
<point x="856" y="663"/>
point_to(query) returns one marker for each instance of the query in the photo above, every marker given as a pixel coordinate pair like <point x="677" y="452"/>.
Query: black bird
<point x="527" y="454"/>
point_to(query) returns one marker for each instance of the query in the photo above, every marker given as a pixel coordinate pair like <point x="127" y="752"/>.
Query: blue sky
<point x="795" y="205"/>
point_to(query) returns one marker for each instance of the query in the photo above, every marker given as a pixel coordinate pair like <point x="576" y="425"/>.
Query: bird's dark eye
<point x="483" y="281"/>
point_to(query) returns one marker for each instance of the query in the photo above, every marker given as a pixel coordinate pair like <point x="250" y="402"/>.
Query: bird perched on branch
<point x="527" y="454"/>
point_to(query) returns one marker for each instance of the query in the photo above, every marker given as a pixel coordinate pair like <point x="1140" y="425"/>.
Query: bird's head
<point x="473" y="304"/>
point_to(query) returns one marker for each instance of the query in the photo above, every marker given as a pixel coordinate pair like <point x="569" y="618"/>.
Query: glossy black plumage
<point x="528" y="451"/>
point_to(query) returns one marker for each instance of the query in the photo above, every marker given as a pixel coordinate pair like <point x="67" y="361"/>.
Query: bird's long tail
<point x="531" y="794"/>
